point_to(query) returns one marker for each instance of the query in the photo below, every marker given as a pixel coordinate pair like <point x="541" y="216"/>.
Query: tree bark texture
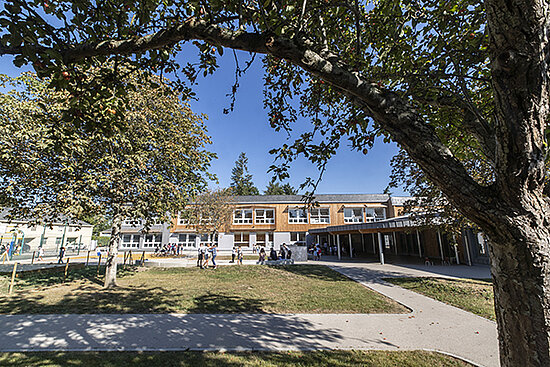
<point x="111" y="263"/>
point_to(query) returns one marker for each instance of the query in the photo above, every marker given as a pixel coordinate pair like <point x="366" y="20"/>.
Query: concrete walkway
<point x="431" y="325"/>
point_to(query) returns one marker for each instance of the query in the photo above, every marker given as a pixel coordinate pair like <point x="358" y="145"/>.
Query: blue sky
<point x="247" y="129"/>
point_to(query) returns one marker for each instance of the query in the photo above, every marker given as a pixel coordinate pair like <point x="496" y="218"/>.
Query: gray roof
<point x="400" y="200"/>
<point x="397" y="222"/>
<point x="321" y="198"/>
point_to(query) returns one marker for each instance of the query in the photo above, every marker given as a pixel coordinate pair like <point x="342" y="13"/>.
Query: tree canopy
<point x="461" y="86"/>
<point x="147" y="166"/>
<point x="241" y="180"/>
<point x="275" y="188"/>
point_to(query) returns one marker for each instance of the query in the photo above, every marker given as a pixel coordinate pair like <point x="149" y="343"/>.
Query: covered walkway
<point x="398" y="238"/>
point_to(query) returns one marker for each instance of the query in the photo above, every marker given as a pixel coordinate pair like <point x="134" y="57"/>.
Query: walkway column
<point x="467" y="245"/>
<point x="380" y="247"/>
<point x="363" y="242"/>
<point x="394" y="242"/>
<point x="418" y="240"/>
<point x="373" y="244"/>
<point x="440" y="245"/>
<point x="350" y="246"/>
<point x="338" y="242"/>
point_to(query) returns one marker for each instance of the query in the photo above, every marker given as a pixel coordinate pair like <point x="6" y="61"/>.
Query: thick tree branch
<point x="391" y="112"/>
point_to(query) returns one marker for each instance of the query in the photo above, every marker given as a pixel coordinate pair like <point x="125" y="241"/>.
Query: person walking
<point x="61" y="255"/>
<point x="200" y="256"/>
<point x="40" y="253"/>
<point x="240" y="255"/>
<point x="214" y="251"/>
<point x="233" y="254"/>
<point x="206" y="251"/>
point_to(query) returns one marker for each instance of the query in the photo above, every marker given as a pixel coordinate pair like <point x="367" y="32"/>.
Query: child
<point x="240" y="255"/>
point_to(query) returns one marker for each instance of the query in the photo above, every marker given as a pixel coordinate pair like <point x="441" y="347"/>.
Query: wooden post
<point x="32" y="260"/>
<point x="440" y="245"/>
<point x="12" y="278"/>
<point x="87" y="257"/>
<point x="338" y="242"/>
<point x="66" y="270"/>
<point x="124" y="257"/>
<point x="4" y="256"/>
<point x="142" y="262"/>
<point x="130" y="258"/>
<point x="98" y="263"/>
<point x="419" y="246"/>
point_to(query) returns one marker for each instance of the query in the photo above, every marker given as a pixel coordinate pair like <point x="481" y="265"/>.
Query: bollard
<point x="66" y="270"/>
<point x="12" y="278"/>
<point x="32" y="260"/>
<point x="98" y="263"/>
<point x="87" y="257"/>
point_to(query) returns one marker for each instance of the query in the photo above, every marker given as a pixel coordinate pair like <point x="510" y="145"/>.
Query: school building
<point x="24" y="237"/>
<point x="358" y="225"/>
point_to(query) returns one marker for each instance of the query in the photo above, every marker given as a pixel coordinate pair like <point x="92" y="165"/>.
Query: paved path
<point x="431" y="325"/>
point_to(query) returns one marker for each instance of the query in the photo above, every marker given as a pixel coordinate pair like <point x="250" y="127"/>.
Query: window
<point x="297" y="216"/>
<point x="152" y="240"/>
<point x="242" y="216"/>
<point x="264" y="239"/>
<point x="241" y="238"/>
<point x="297" y="236"/>
<point x="265" y="216"/>
<point x="207" y="239"/>
<point x="187" y="239"/>
<point x="319" y="215"/>
<point x="375" y="214"/>
<point x="481" y="242"/>
<point x="130" y="240"/>
<point x="353" y="215"/>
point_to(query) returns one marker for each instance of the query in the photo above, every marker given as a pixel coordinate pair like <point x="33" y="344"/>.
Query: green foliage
<point x="211" y="212"/>
<point x="241" y="180"/>
<point x="275" y="188"/>
<point x="145" y="166"/>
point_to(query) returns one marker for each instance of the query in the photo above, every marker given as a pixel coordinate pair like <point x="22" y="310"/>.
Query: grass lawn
<point x="228" y="289"/>
<point x="475" y="296"/>
<point x="244" y="359"/>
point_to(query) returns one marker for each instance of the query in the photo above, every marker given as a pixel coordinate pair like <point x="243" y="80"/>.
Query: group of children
<point x="205" y="253"/>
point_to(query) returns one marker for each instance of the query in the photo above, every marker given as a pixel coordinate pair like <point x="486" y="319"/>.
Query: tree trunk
<point x="520" y="265"/>
<point x="111" y="264"/>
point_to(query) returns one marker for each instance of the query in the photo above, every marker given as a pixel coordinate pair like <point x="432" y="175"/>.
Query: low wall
<point x="299" y="253"/>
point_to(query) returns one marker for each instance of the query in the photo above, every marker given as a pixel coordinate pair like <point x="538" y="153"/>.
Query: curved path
<point x="431" y="325"/>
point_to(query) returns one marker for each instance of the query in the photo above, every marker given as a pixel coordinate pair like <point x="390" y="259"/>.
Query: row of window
<point x="190" y="239"/>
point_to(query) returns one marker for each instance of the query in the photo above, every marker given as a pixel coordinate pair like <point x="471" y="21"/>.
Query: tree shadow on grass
<point x="218" y="303"/>
<point x="318" y="272"/>
<point x="184" y="359"/>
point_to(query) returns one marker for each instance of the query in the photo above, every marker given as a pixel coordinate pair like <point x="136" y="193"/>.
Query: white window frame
<point x="316" y="216"/>
<point x="242" y="219"/>
<point x="353" y="218"/>
<point x="238" y="239"/>
<point x="152" y="240"/>
<point x="263" y="219"/>
<point x="187" y="241"/>
<point x="207" y="239"/>
<point x="132" y="243"/>
<point x="268" y="239"/>
<point x="297" y="237"/>
<point x="301" y="216"/>
<point x="374" y="214"/>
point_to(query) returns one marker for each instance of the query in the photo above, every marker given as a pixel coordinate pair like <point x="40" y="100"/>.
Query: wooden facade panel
<point x="336" y="211"/>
